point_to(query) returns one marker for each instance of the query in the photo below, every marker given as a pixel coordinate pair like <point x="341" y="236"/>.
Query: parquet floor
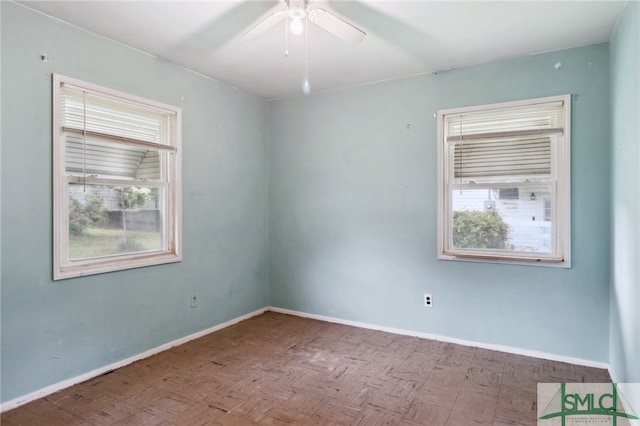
<point x="277" y="369"/>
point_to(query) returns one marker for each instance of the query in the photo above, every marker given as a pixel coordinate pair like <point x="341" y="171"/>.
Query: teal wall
<point x="52" y="331"/>
<point x="352" y="210"/>
<point x="625" y="190"/>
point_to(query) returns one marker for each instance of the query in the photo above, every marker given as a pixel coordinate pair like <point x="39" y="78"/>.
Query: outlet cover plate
<point x="428" y="300"/>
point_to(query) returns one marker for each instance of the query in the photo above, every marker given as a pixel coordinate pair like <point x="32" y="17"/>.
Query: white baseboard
<point x="490" y="346"/>
<point x="14" y="403"/>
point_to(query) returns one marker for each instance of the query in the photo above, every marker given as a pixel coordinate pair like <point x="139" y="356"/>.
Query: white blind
<point x="90" y="112"/>
<point x="504" y="143"/>
<point x="508" y="122"/>
<point x="104" y="136"/>
<point x="503" y="157"/>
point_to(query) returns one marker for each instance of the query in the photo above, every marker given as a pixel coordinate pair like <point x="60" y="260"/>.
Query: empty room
<point x="320" y="212"/>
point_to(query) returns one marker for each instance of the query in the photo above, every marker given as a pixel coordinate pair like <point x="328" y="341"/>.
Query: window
<point x="509" y="193"/>
<point x="499" y="166"/>
<point x="117" y="189"/>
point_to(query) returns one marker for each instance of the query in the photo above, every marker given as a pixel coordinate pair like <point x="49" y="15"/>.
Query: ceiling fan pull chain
<point x="305" y="84"/>
<point x="286" y="35"/>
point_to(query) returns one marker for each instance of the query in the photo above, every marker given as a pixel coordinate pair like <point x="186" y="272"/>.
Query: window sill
<point x="119" y="263"/>
<point x="508" y="260"/>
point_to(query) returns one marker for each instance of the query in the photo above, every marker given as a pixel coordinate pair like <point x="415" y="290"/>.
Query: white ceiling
<point x="403" y="37"/>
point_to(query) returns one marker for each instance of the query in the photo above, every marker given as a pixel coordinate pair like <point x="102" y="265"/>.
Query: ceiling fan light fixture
<point x="296" y="26"/>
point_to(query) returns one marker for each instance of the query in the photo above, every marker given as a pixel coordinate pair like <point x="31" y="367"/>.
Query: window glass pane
<point x="547" y="209"/>
<point x="109" y="220"/>
<point x="106" y="158"/>
<point x="483" y="219"/>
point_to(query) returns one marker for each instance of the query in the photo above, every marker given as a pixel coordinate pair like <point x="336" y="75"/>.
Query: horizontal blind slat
<point x="505" y="134"/>
<point x="502" y="158"/>
<point x="111" y="138"/>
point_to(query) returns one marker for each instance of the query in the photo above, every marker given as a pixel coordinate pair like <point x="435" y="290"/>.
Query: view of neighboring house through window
<point x="116" y="180"/>
<point x="504" y="182"/>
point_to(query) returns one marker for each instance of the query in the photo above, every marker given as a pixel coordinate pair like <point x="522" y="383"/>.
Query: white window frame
<point x="171" y="181"/>
<point x="561" y="181"/>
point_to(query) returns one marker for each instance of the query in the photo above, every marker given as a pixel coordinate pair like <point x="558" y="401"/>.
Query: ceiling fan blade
<point x="336" y="26"/>
<point x="264" y="25"/>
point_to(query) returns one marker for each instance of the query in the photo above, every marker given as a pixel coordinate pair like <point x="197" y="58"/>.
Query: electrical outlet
<point x="194" y="301"/>
<point x="428" y="300"/>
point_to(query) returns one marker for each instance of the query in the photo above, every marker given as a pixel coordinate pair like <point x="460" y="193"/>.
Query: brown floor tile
<point x="427" y="413"/>
<point x="41" y="412"/>
<point x="591" y="375"/>
<point x="142" y="418"/>
<point x="474" y="407"/>
<point x="509" y="416"/>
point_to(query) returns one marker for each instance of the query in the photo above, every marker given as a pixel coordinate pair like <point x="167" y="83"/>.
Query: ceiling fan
<point x="297" y="11"/>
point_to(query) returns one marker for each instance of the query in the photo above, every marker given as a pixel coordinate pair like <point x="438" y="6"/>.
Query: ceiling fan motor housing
<point x="296" y="13"/>
<point x="297" y="8"/>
